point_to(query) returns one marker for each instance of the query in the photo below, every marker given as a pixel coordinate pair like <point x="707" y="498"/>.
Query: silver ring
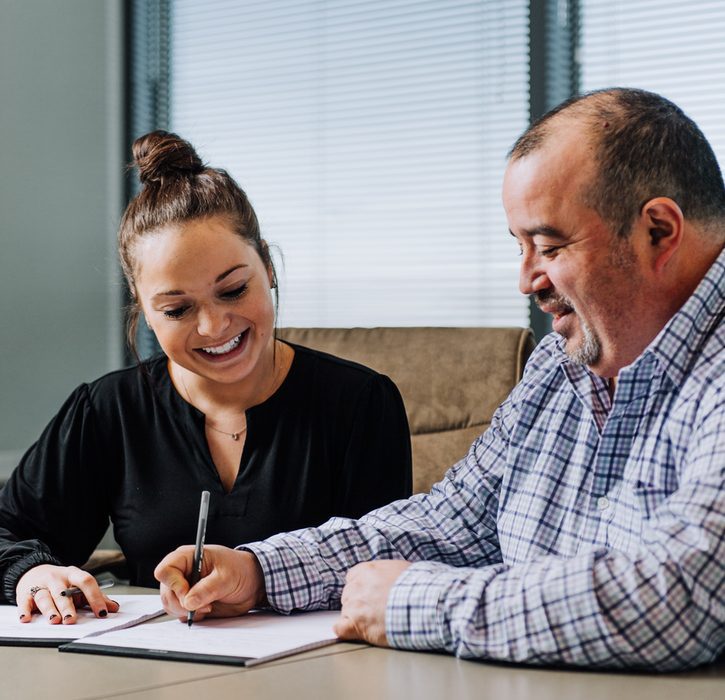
<point x="35" y="589"/>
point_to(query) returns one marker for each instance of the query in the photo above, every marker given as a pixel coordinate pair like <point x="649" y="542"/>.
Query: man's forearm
<point x="598" y="609"/>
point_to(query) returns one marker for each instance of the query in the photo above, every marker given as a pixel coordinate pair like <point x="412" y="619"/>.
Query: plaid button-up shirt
<point x="578" y="529"/>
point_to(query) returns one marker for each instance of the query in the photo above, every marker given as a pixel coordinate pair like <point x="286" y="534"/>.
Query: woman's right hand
<point x="47" y="581"/>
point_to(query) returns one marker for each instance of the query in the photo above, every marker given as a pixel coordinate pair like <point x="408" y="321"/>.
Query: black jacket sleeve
<point x="54" y="507"/>
<point x="378" y="465"/>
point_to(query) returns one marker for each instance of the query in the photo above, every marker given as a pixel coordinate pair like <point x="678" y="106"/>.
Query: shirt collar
<point x="678" y="345"/>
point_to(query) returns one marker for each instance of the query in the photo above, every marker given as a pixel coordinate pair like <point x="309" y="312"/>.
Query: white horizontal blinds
<point x="371" y="139"/>
<point x="676" y="49"/>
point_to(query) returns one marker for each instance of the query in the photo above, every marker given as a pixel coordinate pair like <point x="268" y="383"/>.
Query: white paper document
<point x="247" y="640"/>
<point x="134" y="609"/>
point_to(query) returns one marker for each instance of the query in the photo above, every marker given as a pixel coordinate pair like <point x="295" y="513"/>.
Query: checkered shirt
<point x="577" y="530"/>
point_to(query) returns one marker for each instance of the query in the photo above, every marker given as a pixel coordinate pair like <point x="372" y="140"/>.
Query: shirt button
<point x="602" y="503"/>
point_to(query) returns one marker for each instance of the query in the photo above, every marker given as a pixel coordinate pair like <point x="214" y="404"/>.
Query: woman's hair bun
<point x="161" y="154"/>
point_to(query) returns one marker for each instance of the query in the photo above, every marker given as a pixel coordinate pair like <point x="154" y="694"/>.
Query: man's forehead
<point x="565" y="136"/>
<point x="563" y="167"/>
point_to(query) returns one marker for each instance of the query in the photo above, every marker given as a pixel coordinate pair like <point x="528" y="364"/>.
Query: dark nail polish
<point x="102" y="613"/>
<point x="22" y="617"/>
<point x="68" y="617"/>
<point x="53" y="616"/>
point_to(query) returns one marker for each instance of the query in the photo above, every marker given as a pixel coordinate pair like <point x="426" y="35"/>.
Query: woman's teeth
<point x="227" y="347"/>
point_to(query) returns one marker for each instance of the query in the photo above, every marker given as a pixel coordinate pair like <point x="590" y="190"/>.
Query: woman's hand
<point x="40" y="587"/>
<point x="232" y="582"/>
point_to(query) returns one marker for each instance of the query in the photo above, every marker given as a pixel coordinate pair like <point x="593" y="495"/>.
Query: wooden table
<point x="340" y="672"/>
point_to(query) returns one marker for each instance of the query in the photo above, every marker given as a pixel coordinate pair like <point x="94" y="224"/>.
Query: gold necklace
<point x="233" y="436"/>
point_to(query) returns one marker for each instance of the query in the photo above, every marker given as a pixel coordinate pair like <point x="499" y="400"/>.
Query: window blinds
<point x="371" y="139"/>
<point x="676" y="49"/>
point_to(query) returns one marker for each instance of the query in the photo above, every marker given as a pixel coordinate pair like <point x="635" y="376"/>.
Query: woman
<point x="282" y="436"/>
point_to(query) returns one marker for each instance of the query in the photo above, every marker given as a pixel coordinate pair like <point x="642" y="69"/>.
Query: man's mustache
<point x="552" y="303"/>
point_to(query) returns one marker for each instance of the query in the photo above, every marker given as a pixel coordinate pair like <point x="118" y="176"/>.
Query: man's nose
<point x="532" y="276"/>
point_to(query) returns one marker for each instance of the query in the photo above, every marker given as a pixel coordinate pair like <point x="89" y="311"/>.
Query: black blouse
<point x="332" y="440"/>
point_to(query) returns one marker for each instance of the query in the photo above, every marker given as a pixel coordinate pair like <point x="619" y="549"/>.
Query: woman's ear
<point x="271" y="275"/>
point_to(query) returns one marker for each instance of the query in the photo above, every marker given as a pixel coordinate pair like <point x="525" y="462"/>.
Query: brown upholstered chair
<point x="451" y="380"/>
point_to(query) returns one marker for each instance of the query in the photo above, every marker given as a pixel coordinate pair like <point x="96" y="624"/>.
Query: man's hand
<point x="364" y="598"/>
<point x="231" y="584"/>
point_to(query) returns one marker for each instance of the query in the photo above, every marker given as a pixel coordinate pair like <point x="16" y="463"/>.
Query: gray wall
<point x="61" y="168"/>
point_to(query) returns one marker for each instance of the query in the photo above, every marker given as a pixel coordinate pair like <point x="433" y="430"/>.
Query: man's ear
<point x="665" y="226"/>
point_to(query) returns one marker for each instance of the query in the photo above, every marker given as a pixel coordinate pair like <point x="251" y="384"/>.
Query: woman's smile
<point x="225" y="351"/>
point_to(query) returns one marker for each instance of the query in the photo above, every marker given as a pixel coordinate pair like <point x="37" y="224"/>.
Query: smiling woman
<point x="282" y="436"/>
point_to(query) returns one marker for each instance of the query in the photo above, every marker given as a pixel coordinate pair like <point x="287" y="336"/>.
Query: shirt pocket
<point x="648" y="497"/>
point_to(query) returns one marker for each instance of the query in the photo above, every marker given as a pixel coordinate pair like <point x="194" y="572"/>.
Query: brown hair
<point x="645" y="147"/>
<point x="177" y="187"/>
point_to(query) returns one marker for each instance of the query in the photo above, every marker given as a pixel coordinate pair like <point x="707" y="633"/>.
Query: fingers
<point x="206" y="591"/>
<point x="232" y="582"/>
<point x="90" y="595"/>
<point x="345" y="629"/>
<point x="41" y="589"/>
<point x="364" y="600"/>
<point x="171" y="573"/>
<point x="234" y="578"/>
<point x="172" y="601"/>
<point x="172" y="570"/>
<point x="45" y="604"/>
<point x="25" y="607"/>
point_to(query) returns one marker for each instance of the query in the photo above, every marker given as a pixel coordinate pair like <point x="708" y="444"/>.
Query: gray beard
<point x="588" y="352"/>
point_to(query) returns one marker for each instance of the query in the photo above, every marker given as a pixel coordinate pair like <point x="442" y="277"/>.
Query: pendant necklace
<point x="233" y="436"/>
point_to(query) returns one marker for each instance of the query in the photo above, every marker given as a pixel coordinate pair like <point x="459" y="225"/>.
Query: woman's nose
<point x="212" y="321"/>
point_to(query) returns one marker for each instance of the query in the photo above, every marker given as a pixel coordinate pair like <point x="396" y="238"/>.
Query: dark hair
<point x="645" y="147"/>
<point x="178" y="187"/>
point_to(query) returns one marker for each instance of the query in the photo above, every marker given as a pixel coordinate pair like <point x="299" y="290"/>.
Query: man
<point x="586" y="526"/>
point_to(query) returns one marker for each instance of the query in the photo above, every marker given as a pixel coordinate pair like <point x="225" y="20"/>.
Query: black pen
<point x="74" y="590"/>
<point x="198" y="548"/>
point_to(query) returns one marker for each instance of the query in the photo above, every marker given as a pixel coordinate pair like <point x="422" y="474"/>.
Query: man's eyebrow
<point x="543" y="230"/>
<point x="179" y="292"/>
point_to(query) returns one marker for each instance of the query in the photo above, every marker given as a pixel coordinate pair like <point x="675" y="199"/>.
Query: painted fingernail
<point x="22" y="616"/>
<point x="68" y="617"/>
<point x="53" y="616"/>
<point x="102" y="613"/>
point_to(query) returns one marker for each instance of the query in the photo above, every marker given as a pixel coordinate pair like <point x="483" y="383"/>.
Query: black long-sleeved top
<point x="332" y="440"/>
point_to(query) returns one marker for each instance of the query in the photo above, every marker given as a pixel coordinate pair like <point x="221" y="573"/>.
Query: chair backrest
<point x="451" y="380"/>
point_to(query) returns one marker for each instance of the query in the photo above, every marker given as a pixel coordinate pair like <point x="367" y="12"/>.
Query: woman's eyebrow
<point x="179" y="292"/>
<point x="229" y="271"/>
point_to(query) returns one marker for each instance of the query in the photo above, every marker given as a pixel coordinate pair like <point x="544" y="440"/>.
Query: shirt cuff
<point x="19" y="568"/>
<point x="421" y="605"/>
<point x="292" y="579"/>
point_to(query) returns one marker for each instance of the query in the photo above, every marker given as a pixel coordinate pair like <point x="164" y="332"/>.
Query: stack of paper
<point x="135" y="609"/>
<point x="241" y="641"/>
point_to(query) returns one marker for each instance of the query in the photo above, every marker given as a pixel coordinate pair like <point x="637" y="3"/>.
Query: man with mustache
<point x="587" y="525"/>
